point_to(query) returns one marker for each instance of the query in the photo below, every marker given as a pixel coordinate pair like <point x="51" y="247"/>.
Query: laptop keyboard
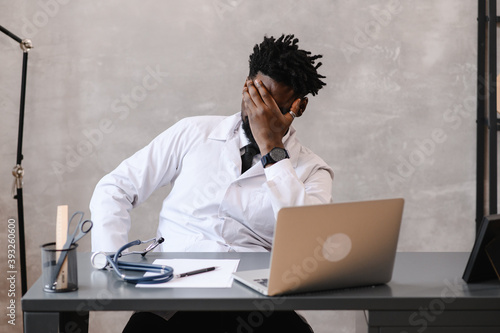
<point x="262" y="281"/>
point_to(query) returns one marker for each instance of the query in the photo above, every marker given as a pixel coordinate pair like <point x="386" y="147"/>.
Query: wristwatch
<point x="276" y="154"/>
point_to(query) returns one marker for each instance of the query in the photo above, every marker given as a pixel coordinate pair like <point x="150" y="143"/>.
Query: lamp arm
<point x="10" y="34"/>
<point x="18" y="171"/>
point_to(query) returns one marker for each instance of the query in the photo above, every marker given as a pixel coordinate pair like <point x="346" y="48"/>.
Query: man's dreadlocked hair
<point x="283" y="61"/>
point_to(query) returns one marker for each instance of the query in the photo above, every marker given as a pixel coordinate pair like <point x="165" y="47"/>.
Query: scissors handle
<point x="83" y="228"/>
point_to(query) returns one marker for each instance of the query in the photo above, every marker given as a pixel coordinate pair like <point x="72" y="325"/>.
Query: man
<point x="216" y="204"/>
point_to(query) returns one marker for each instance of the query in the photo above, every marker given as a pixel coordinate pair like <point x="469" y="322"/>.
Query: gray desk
<point x="426" y="294"/>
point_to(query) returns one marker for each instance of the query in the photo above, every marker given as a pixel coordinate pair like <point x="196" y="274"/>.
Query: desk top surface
<point x="419" y="279"/>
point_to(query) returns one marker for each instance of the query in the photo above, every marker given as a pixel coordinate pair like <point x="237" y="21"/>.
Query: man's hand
<point x="267" y="122"/>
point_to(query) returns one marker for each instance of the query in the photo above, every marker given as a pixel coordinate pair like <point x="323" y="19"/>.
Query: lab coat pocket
<point x="259" y="214"/>
<point x="247" y="201"/>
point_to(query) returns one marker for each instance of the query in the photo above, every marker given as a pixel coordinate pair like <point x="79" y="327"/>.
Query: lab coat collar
<point x="229" y="127"/>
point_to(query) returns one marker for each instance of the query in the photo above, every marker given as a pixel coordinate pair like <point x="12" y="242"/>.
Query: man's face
<point x="283" y="95"/>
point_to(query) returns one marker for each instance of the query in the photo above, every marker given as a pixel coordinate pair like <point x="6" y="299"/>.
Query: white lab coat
<point x="211" y="206"/>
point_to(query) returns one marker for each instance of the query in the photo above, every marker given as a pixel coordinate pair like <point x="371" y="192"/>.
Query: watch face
<point x="278" y="154"/>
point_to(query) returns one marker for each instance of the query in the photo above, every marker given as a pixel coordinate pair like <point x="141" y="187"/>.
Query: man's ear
<point x="302" y="106"/>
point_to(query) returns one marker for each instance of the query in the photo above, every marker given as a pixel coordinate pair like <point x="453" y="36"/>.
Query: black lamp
<point x="18" y="171"/>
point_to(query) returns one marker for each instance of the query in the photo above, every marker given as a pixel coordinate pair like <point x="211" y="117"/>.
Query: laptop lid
<point x="332" y="246"/>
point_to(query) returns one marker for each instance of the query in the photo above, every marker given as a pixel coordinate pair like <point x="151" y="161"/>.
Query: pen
<point x="198" y="271"/>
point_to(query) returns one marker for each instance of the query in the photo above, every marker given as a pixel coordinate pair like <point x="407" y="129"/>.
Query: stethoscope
<point x="101" y="260"/>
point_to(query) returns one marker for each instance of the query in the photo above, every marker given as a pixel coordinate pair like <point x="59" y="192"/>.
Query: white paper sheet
<point x="218" y="278"/>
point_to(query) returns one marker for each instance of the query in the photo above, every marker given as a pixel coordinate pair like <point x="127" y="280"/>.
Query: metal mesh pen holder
<point x="67" y="278"/>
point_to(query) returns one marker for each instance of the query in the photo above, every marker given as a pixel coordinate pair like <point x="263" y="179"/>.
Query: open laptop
<point x="330" y="246"/>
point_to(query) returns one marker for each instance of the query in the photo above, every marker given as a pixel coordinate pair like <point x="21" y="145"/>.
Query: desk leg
<point x="362" y="325"/>
<point x="41" y="322"/>
<point x="74" y="322"/>
<point x="54" y="322"/>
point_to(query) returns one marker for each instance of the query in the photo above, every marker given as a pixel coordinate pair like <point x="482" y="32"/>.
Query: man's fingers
<point x="247" y="98"/>
<point x="264" y="94"/>
<point x="261" y="98"/>
<point x="254" y="93"/>
<point x="288" y="119"/>
<point x="296" y="107"/>
<point x="294" y="111"/>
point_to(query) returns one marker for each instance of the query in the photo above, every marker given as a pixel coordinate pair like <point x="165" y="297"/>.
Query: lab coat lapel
<point x="227" y="131"/>
<point x="255" y="170"/>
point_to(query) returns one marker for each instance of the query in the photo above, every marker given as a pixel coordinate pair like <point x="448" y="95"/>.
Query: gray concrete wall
<point x="396" y="118"/>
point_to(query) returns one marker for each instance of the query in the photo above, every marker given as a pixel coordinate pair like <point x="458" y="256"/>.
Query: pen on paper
<point x="198" y="271"/>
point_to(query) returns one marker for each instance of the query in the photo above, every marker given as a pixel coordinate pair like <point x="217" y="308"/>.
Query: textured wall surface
<point x="396" y="119"/>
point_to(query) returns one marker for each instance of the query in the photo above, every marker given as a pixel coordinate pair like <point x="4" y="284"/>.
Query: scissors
<point x="82" y="228"/>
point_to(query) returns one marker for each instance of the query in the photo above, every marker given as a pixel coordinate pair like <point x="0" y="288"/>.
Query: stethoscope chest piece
<point x="99" y="260"/>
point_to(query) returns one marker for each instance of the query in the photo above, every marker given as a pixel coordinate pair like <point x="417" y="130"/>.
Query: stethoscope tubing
<point x="140" y="267"/>
<point x="165" y="273"/>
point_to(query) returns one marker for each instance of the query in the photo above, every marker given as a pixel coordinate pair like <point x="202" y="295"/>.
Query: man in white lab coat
<point x="222" y="198"/>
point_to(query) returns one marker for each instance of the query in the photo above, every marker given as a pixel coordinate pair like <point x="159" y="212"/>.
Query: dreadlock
<point x="283" y="61"/>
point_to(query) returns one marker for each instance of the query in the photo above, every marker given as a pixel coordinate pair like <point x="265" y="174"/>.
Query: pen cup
<point x="67" y="278"/>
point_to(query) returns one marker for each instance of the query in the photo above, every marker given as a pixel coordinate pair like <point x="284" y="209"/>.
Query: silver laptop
<point x="330" y="246"/>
